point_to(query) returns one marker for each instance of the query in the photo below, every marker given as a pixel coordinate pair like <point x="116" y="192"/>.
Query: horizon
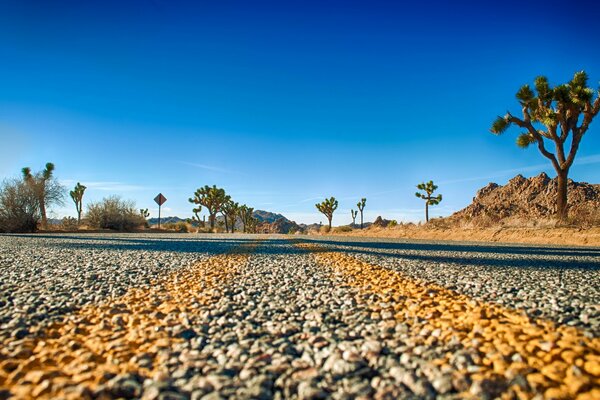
<point x="282" y="105"/>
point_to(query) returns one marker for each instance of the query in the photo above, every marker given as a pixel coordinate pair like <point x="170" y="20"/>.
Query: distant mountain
<point x="266" y="216"/>
<point x="164" y="220"/>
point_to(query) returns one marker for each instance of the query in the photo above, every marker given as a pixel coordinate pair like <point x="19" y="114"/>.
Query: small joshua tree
<point x="196" y="217"/>
<point x="566" y="112"/>
<point x="77" y="196"/>
<point x="144" y="213"/>
<point x="361" y="206"/>
<point x="46" y="189"/>
<point x="245" y="214"/>
<point x="428" y="188"/>
<point x="230" y="212"/>
<point x="213" y="198"/>
<point x="327" y="207"/>
<point x="353" y="214"/>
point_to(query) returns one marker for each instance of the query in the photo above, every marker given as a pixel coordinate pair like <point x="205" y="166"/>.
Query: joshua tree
<point x="327" y="207"/>
<point x="77" y="196"/>
<point x="47" y="190"/>
<point x="361" y="206"/>
<point x="564" y="111"/>
<point x="429" y="188"/>
<point x="245" y="214"/>
<point x="230" y="212"/>
<point x="353" y="214"/>
<point x="196" y="217"/>
<point x="144" y="213"/>
<point x="213" y="199"/>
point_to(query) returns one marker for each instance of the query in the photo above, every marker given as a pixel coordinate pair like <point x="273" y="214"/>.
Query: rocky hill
<point x="526" y="199"/>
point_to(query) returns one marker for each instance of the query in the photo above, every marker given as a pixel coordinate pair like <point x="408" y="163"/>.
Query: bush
<point x="392" y="223"/>
<point x="324" y="229"/>
<point x="180" y="226"/>
<point x="19" y="207"/>
<point x="69" y="224"/>
<point x="114" y="213"/>
<point x="342" y="229"/>
<point x="585" y="216"/>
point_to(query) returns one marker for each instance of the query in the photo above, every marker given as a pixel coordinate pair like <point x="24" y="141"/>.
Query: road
<point x="252" y="316"/>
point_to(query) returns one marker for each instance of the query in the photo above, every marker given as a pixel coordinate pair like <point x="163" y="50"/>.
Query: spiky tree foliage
<point x="144" y="213"/>
<point x="354" y="215"/>
<point x="213" y="199"/>
<point x="430" y="200"/>
<point x="361" y="206"/>
<point x="553" y="115"/>
<point x="196" y="218"/>
<point x="327" y="208"/>
<point x="245" y="214"/>
<point x="77" y="196"/>
<point x="230" y="212"/>
<point x="252" y="224"/>
<point x="47" y="190"/>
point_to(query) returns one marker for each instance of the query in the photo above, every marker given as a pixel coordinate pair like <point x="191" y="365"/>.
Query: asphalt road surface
<point x="257" y="317"/>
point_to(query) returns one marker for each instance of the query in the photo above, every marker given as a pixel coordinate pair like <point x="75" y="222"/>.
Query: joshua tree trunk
<point x="43" y="212"/>
<point x="211" y="218"/>
<point x="78" y="217"/>
<point x="361" y="219"/>
<point x="330" y="218"/>
<point x="226" y="224"/>
<point x="426" y="211"/>
<point x="561" y="196"/>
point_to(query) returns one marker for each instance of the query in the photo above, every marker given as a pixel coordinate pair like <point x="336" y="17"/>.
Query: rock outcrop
<point x="527" y="199"/>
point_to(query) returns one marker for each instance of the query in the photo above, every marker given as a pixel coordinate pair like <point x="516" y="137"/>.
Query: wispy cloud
<point x="208" y="167"/>
<point x="593" y="159"/>
<point x="105" y="186"/>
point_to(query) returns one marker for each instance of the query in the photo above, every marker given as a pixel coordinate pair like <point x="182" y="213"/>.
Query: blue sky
<point x="283" y="103"/>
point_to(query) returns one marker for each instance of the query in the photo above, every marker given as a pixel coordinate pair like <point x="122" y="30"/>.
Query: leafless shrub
<point x="19" y="207"/>
<point x="114" y="213"/>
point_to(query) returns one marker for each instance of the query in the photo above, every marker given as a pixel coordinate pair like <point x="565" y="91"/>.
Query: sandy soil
<point x="553" y="236"/>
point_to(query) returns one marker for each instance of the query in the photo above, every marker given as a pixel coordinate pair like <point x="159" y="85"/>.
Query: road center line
<point x="556" y="361"/>
<point x="131" y="334"/>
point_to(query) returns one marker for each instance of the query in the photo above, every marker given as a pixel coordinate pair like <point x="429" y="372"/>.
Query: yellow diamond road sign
<point x="160" y="199"/>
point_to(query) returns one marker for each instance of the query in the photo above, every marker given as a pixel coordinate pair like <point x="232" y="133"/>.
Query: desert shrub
<point x="324" y="229"/>
<point x="69" y="223"/>
<point x="342" y="229"/>
<point x="392" y="223"/>
<point x="114" y="213"/>
<point x="19" y="207"/>
<point x="584" y="216"/>
<point x="180" y="226"/>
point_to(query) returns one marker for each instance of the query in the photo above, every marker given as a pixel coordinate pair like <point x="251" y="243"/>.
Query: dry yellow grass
<point x="531" y="235"/>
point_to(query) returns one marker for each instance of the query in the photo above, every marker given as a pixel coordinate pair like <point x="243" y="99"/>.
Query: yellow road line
<point x="557" y="361"/>
<point x="123" y="335"/>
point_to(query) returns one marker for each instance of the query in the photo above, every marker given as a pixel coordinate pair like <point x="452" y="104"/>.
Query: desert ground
<point x="178" y="316"/>
<point x="566" y="236"/>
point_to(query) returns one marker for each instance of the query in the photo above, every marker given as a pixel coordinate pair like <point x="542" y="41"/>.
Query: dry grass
<point x="566" y="235"/>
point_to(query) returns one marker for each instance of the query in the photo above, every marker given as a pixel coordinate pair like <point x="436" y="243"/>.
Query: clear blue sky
<point x="283" y="103"/>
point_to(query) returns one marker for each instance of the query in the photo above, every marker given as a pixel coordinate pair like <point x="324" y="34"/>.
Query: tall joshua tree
<point x="47" y="190"/>
<point x="353" y="214"/>
<point x="552" y="115"/>
<point x="430" y="200"/>
<point x="245" y="214"/>
<point x="230" y="212"/>
<point x="77" y="196"/>
<point x="213" y="199"/>
<point x="361" y="206"/>
<point x="327" y="207"/>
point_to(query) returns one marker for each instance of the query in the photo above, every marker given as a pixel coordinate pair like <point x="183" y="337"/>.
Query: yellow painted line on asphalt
<point x="129" y="334"/>
<point x="557" y="361"/>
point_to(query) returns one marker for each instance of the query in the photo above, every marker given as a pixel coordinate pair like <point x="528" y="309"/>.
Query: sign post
<point x="160" y="200"/>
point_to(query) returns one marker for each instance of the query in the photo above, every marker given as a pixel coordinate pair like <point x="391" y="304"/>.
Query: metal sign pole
<point x="160" y="200"/>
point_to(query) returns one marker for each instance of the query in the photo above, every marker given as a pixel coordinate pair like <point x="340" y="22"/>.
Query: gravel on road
<point x="255" y="317"/>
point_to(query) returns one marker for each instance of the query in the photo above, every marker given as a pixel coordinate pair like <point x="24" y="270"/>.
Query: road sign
<point x="160" y="200"/>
